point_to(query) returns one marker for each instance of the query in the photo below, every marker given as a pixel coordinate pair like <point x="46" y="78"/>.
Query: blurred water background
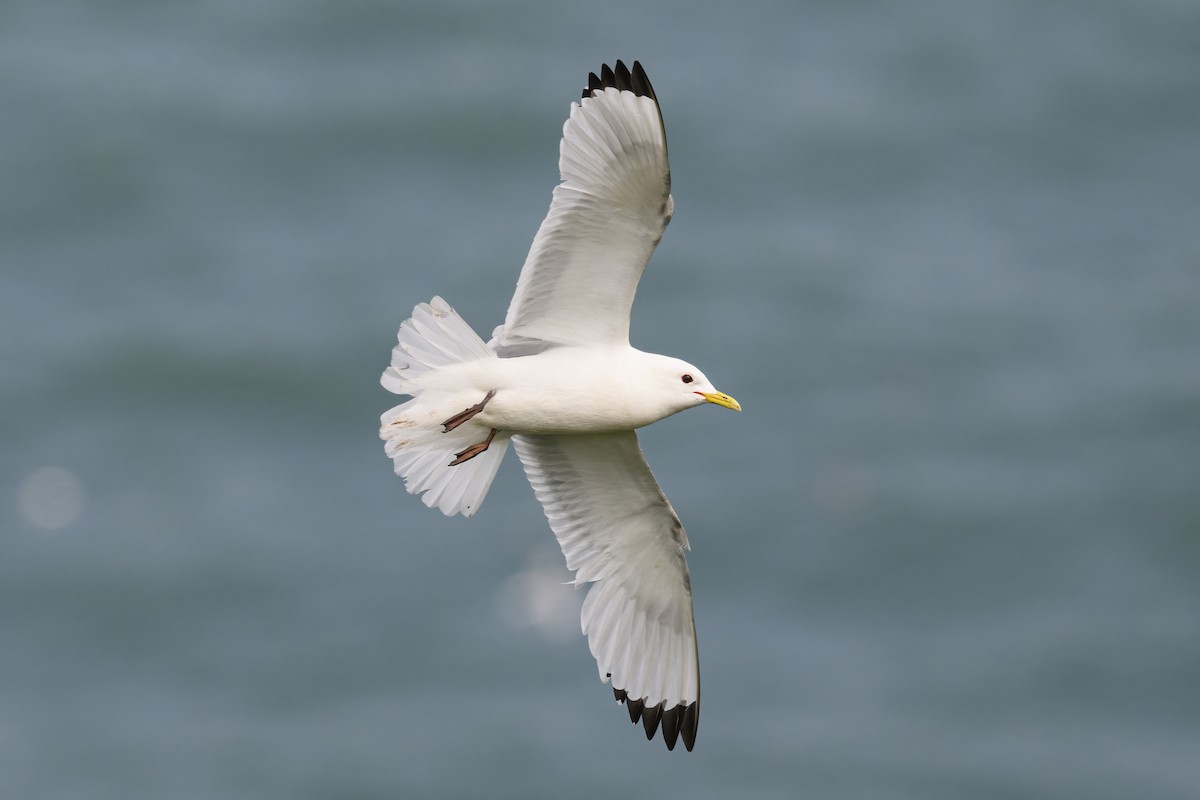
<point x="947" y="255"/>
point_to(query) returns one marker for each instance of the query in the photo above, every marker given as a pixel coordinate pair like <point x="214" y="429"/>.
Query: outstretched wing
<point x="619" y="532"/>
<point x="605" y="219"/>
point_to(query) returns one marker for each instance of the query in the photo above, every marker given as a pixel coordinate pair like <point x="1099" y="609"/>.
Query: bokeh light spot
<point x="51" y="498"/>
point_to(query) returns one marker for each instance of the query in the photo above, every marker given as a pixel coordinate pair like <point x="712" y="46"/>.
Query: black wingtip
<point x="690" y="724"/>
<point x="621" y="78"/>
<point x="607" y="76"/>
<point x="650" y="718"/>
<point x="640" y="83"/>
<point x="594" y="85"/>
<point x="670" y="726"/>
<point x="679" y="721"/>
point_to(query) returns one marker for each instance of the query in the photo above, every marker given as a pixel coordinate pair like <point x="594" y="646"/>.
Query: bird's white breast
<point x="572" y="390"/>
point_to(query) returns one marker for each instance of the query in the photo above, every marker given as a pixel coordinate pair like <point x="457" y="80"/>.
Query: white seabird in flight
<point x="560" y="381"/>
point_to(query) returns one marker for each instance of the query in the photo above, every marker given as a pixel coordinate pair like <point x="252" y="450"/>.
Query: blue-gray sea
<point x="946" y="254"/>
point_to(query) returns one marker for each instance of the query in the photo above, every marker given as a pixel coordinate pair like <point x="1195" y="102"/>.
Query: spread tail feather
<point x="434" y="336"/>
<point x="414" y="432"/>
<point x="422" y="454"/>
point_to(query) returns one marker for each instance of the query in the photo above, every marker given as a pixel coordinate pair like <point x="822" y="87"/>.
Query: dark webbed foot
<point x="473" y="450"/>
<point x="466" y="414"/>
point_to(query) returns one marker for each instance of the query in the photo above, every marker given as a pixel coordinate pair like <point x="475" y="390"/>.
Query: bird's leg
<point x="473" y="450"/>
<point x="466" y="414"/>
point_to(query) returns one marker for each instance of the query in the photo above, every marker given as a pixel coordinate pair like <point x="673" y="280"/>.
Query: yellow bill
<point x="721" y="399"/>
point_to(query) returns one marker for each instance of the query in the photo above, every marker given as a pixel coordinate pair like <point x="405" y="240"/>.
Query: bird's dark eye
<point x="688" y="379"/>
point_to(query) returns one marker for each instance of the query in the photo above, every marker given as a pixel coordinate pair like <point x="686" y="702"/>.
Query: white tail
<point x="433" y="338"/>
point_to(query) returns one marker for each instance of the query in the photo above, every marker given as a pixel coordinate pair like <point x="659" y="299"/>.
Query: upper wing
<point x="617" y="530"/>
<point x="605" y="219"/>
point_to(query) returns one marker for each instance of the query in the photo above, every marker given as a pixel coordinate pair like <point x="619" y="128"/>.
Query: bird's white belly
<point x="519" y="411"/>
<point x="565" y="392"/>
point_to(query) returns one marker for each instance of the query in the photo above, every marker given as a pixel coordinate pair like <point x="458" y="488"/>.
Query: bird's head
<point x="689" y="387"/>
